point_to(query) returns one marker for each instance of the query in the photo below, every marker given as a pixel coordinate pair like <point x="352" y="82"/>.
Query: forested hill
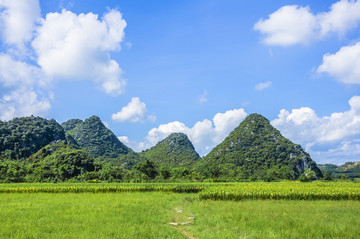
<point x="258" y="150"/>
<point x="349" y="169"/>
<point x="93" y="136"/>
<point x="174" y="151"/>
<point x="21" y="137"/>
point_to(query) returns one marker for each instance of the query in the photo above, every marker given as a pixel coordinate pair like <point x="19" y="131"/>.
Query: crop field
<point x="181" y="210"/>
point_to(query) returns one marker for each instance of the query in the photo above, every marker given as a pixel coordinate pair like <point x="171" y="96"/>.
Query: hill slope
<point x="174" y="151"/>
<point x="92" y="136"/>
<point x="350" y="169"/>
<point x="58" y="162"/>
<point x="257" y="148"/>
<point x="21" y="137"/>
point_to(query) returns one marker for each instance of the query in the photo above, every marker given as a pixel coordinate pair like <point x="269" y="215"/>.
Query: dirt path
<point x="182" y="219"/>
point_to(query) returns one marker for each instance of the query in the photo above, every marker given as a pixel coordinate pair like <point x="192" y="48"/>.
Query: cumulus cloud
<point x="344" y="65"/>
<point x="77" y="47"/>
<point x="204" y="134"/>
<point x="23" y="103"/>
<point x="262" y="86"/>
<point x="65" y="45"/>
<point x="134" y="111"/>
<point x="304" y="126"/>
<point x="287" y="26"/>
<point x="295" y="24"/>
<point x="17" y="20"/>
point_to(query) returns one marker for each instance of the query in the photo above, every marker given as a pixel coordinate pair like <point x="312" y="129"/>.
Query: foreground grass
<point x="88" y="215"/>
<point x="148" y="214"/>
<point x="275" y="219"/>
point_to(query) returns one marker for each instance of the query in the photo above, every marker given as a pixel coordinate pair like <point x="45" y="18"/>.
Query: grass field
<point x="147" y="213"/>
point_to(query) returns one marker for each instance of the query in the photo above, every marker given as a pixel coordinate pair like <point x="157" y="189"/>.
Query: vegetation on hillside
<point x="346" y="170"/>
<point x="256" y="150"/>
<point x="92" y="136"/>
<point x="91" y="152"/>
<point x="21" y="137"/>
<point x="176" y="150"/>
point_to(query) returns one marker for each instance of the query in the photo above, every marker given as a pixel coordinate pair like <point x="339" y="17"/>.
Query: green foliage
<point x="147" y="167"/>
<point x="21" y="137"/>
<point x="92" y="136"/>
<point x="174" y="151"/>
<point x="350" y="169"/>
<point x="58" y="162"/>
<point x="328" y="176"/>
<point x="256" y="148"/>
<point x="307" y="176"/>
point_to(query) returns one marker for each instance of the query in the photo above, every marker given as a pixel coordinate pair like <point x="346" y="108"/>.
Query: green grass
<point x="88" y="215"/>
<point x="129" y="213"/>
<point x="275" y="219"/>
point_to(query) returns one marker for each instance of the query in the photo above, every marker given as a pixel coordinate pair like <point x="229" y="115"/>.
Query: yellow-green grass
<point x="88" y="215"/>
<point x="148" y="214"/>
<point x="208" y="191"/>
<point x="284" y="191"/>
<point x="275" y="219"/>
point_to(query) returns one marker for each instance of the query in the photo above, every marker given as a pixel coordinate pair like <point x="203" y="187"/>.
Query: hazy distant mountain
<point x="256" y="148"/>
<point x="174" y="151"/>
<point x="350" y="169"/>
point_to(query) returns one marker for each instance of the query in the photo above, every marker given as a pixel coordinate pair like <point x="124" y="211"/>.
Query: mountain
<point x="258" y="150"/>
<point x="57" y="162"/>
<point x="21" y="137"/>
<point x="350" y="169"/>
<point x="92" y="136"/>
<point x="174" y="151"/>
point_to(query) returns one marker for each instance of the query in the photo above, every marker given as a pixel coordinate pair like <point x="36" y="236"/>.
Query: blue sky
<point x="149" y="68"/>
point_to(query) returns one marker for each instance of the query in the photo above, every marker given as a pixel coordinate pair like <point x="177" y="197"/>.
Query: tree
<point x="307" y="175"/>
<point x="147" y="167"/>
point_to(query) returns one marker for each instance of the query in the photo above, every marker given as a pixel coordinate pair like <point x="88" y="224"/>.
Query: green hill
<point x="58" y="162"/>
<point x="257" y="150"/>
<point x="100" y="142"/>
<point x="21" y="137"/>
<point x="174" y="151"/>
<point x="92" y="136"/>
<point x="350" y="169"/>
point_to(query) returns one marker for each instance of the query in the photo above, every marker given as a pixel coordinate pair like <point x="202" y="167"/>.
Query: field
<point x="146" y="210"/>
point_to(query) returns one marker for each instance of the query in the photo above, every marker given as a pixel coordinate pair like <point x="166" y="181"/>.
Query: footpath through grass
<point x="227" y="210"/>
<point x="89" y="215"/>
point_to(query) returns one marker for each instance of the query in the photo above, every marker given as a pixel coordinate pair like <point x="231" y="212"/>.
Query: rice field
<point x="209" y="191"/>
<point x="181" y="210"/>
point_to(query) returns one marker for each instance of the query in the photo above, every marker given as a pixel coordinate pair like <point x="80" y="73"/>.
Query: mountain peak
<point x="175" y="150"/>
<point x="92" y="135"/>
<point x="256" y="146"/>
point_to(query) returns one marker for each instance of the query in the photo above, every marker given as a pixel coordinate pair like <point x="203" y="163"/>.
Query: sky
<point x="150" y="68"/>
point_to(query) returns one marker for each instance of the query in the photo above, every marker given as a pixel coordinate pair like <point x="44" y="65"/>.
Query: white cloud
<point x="134" y="111"/>
<point x="204" y="134"/>
<point x="22" y="103"/>
<point x="77" y="47"/>
<point x="15" y="73"/>
<point x="343" y="16"/>
<point x="294" y="24"/>
<point x="344" y="65"/>
<point x="17" y="20"/>
<point x="305" y="127"/>
<point x="262" y="86"/>
<point x="287" y="26"/>
<point x="124" y="139"/>
<point x="203" y="97"/>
